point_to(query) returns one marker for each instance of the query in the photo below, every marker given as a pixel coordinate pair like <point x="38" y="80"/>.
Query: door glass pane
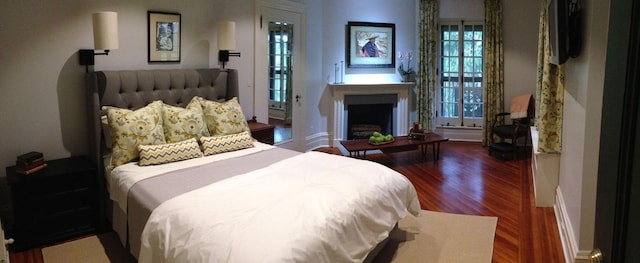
<point x="280" y="57"/>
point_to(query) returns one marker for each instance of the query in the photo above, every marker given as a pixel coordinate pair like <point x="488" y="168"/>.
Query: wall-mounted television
<point x="557" y="30"/>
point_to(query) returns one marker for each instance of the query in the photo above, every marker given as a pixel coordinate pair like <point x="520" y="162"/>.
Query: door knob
<point x="595" y="256"/>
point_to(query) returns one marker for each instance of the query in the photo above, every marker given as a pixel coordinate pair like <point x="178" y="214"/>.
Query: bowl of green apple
<point x="378" y="138"/>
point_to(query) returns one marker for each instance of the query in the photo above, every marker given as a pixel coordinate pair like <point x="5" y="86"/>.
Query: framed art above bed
<point x="164" y="36"/>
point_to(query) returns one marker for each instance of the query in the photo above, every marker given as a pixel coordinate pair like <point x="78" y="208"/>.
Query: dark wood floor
<point x="467" y="180"/>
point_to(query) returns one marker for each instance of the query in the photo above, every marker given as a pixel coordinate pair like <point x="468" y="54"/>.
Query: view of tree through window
<point x="461" y="75"/>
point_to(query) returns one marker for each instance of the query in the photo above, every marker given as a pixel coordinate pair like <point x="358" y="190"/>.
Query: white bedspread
<point x="314" y="207"/>
<point x="123" y="177"/>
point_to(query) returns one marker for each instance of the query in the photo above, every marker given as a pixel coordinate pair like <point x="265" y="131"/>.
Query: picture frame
<point x="370" y="45"/>
<point x="164" y="40"/>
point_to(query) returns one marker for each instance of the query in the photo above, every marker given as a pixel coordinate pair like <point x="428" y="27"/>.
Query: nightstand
<point x="54" y="204"/>
<point x="261" y="131"/>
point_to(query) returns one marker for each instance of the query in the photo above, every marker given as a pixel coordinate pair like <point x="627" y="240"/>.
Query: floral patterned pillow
<point x="223" y="118"/>
<point x="180" y="124"/>
<point x="132" y="128"/>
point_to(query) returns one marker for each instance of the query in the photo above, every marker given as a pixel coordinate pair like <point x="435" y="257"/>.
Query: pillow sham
<point x="226" y="143"/>
<point x="180" y="124"/>
<point x="170" y="152"/>
<point x="223" y="118"/>
<point x="132" y="128"/>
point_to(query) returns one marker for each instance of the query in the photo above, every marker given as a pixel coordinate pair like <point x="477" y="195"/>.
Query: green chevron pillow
<point x="170" y="152"/>
<point x="226" y="143"/>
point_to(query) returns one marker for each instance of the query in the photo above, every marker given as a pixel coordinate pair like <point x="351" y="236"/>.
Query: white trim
<point x="317" y="140"/>
<point x="401" y="90"/>
<point x="572" y="253"/>
<point x="460" y="133"/>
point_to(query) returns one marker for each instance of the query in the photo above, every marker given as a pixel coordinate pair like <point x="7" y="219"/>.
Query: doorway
<point x="280" y="69"/>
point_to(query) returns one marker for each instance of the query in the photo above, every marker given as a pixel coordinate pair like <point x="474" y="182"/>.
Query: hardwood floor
<point x="466" y="180"/>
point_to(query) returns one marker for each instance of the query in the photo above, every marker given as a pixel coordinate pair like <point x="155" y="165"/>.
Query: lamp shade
<point x="226" y="35"/>
<point x="105" y="30"/>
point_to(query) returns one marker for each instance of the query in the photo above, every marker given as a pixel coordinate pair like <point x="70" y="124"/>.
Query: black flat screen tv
<point x="557" y="31"/>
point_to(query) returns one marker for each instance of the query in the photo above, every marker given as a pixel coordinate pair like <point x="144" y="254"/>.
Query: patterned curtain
<point x="493" y="66"/>
<point x="549" y="93"/>
<point x="428" y="57"/>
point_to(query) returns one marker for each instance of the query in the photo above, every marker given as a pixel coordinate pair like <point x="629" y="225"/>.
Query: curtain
<point x="428" y="57"/>
<point x="549" y="93"/>
<point x="493" y="67"/>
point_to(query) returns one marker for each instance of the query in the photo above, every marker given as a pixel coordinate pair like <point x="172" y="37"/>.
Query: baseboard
<point x="457" y="133"/>
<point x="572" y="253"/>
<point x="317" y="140"/>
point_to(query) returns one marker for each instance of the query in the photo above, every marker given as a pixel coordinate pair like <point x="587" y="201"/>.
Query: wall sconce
<point x="226" y="41"/>
<point x="105" y="37"/>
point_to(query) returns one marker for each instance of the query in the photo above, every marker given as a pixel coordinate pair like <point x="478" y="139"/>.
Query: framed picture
<point x="164" y="36"/>
<point x="370" y="45"/>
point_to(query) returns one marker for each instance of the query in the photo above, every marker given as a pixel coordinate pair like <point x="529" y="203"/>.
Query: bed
<point x="238" y="200"/>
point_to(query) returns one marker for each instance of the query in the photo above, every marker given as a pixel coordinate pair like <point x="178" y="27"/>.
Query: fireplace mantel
<point x="402" y="90"/>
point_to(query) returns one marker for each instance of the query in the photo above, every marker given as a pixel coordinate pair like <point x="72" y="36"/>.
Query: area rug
<point x="432" y="237"/>
<point x="94" y="249"/>
<point x="441" y="237"/>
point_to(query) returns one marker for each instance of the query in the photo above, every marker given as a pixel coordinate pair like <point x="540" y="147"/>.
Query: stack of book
<point x="29" y="163"/>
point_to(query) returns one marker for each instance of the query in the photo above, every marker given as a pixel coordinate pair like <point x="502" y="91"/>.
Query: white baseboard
<point x="317" y="140"/>
<point x="572" y="253"/>
<point x="458" y="133"/>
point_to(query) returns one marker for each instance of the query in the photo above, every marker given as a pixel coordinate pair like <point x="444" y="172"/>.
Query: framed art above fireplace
<point x="370" y="45"/>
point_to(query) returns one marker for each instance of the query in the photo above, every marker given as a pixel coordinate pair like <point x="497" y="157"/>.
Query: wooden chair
<point x="508" y="134"/>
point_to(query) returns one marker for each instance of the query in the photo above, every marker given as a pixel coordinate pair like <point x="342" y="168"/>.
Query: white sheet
<point x="123" y="177"/>
<point x="314" y="207"/>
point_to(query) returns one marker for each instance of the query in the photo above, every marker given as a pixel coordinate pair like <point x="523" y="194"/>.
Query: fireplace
<point x="366" y="114"/>
<point x="363" y="120"/>
<point x="344" y="95"/>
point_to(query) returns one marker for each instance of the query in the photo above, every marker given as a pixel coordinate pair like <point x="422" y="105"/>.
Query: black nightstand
<point x="54" y="204"/>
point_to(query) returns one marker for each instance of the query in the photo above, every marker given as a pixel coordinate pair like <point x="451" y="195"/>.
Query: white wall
<point x="584" y="83"/>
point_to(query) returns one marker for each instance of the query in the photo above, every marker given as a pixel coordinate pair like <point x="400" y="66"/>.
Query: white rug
<point x="432" y="237"/>
<point x="441" y="237"/>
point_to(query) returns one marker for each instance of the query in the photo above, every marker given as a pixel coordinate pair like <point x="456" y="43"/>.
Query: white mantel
<point x="402" y="90"/>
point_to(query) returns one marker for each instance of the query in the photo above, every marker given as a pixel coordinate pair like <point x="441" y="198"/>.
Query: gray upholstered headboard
<point x="133" y="89"/>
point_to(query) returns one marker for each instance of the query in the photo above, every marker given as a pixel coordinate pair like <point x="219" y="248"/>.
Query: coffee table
<point x="399" y="144"/>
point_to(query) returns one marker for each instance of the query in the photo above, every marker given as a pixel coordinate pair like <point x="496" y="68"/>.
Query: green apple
<point x="377" y="134"/>
<point x="388" y="138"/>
<point x="372" y="138"/>
<point x="379" y="139"/>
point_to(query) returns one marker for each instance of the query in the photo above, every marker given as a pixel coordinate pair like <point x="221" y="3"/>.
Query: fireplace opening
<point x="364" y="119"/>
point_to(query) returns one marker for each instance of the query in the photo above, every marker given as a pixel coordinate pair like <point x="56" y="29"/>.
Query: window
<point x="279" y="64"/>
<point x="461" y="74"/>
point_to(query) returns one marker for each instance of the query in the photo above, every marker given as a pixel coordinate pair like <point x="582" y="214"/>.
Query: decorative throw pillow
<point x="226" y="143"/>
<point x="223" y="118"/>
<point x="180" y="124"/>
<point x="170" y="152"/>
<point x="132" y="128"/>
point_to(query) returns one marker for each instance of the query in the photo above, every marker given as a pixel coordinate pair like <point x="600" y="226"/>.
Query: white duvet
<point x="314" y="207"/>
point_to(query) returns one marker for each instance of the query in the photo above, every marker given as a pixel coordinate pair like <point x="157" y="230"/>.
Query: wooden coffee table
<point x="399" y="144"/>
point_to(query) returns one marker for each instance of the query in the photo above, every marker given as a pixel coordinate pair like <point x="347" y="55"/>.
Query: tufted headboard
<point x="133" y="89"/>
